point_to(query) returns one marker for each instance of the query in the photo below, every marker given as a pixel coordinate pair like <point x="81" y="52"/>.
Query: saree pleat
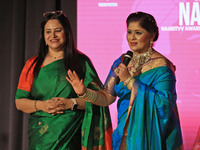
<point x="70" y="130"/>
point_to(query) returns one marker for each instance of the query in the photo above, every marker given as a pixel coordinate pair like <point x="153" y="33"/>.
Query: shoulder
<point x="30" y="64"/>
<point x="83" y="59"/>
<point x="118" y="60"/>
<point x="31" y="60"/>
<point x="158" y="60"/>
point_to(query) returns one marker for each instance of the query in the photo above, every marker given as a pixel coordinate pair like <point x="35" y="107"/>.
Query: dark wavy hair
<point x="146" y="21"/>
<point x="70" y="52"/>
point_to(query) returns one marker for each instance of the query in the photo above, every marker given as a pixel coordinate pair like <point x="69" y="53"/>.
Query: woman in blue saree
<point x="147" y="112"/>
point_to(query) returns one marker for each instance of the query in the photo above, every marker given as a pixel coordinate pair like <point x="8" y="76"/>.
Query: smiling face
<point x="54" y="35"/>
<point x="138" y="38"/>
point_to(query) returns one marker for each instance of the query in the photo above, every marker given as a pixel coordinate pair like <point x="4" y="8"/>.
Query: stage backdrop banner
<point x="101" y="34"/>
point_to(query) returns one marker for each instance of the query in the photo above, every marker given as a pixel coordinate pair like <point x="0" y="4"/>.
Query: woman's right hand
<point x="76" y="83"/>
<point x="51" y="106"/>
<point x="122" y="72"/>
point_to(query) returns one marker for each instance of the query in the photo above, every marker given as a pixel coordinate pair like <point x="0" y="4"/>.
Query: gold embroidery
<point x="44" y="129"/>
<point x="157" y="62"/>
<point x="57" y="141"/>
<point x="83" y="133"/>
<point x="132" y="99"/>
<point x="130" y="84"/>
<point x="96" y="85"/>
<point x="98" y="133"/>
<point x="39" y="123"/>
<point x="109" y="85"/>
<point x="105" y="119"/>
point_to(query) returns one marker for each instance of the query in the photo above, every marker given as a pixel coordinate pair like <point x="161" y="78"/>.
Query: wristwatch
<point x="75" y="105"/>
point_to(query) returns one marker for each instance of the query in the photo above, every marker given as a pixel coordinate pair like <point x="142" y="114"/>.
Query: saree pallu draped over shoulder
<point x="71" y="130"/>
<point x="147" y="115"/>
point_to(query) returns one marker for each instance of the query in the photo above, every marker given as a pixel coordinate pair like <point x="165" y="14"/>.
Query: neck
<point x="140" y="52"/>
<point x="55" y="54"/>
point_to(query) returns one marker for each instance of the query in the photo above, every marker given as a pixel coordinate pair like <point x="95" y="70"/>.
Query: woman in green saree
<point x="58" y="119"/>
<point x="147" y="114"/>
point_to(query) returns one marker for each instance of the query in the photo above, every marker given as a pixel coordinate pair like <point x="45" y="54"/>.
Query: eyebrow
<point x="54" y="28"/>
<point x="135" y="30"/>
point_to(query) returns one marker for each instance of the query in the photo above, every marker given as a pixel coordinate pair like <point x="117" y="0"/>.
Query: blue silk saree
<point x="147" y="115"/>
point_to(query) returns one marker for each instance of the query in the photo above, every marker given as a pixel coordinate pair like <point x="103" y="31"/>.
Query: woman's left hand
<point x="76" y="83"/>
<point x="62" y="104"/>
<point x="123" y="73"/>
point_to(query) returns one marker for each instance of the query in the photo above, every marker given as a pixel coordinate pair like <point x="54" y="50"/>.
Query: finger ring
<point x="116" y="70"/>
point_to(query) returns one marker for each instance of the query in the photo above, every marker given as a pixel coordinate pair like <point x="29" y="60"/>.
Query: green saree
<point x="72" y="130"/>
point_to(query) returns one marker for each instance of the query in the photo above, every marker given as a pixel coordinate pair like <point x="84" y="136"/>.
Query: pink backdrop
<point x="102" y="36"/>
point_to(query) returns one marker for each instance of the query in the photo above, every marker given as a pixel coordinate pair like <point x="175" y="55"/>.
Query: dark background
<point x="19" y="39"/>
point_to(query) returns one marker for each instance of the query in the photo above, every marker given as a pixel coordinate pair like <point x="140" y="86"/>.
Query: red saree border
<point x="108" y="138"/>
<point x="26" y="80"/>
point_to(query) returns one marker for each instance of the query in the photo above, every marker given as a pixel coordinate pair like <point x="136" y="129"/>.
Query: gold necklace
<point x="140" y="59"/>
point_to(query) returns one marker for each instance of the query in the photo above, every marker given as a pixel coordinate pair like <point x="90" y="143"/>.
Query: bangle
<point x="127" y="81"/>
<point x="82" y="96"/>
<point x="89" y="96"/>
<point x="130" y="84"/>
<point x="35" y="105"/>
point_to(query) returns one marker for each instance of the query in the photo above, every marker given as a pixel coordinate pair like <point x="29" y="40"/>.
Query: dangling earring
<point x="150" y="46"/>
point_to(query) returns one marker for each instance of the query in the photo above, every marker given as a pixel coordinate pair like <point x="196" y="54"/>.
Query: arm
<point x="68" y="103"/>
<point x="102" y="98"/>
<point x="26" y="105"/>
<point x="48" y="106"/>
<point x="55" y="105"/>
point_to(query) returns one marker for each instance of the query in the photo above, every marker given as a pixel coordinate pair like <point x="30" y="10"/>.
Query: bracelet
<point x="130" y="84"/>
<point x="82" y="96"/>
<point x="89" y="96"/>
<point x="127" y="81"/>
<point x="35" y="105"/>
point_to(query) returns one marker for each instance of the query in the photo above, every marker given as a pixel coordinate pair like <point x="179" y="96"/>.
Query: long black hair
<point x="146" y="21"/>
<point x="70" y="52"/>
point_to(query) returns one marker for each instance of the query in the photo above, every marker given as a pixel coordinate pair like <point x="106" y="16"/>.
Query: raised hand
<point x="76" y="83"/>
<point x="122" y="72"/>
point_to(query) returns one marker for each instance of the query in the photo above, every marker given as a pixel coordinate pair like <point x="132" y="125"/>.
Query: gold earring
<point x="150" y="46"/>
<point x="151" y="43"/>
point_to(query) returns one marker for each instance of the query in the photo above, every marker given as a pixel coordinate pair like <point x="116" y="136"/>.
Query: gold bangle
<point x="35" y="105"/>
<point x="82" y="96"/>
<point x="127" y="81"/>
<point x="90" y="96"/>
<point x="130" y="84"/>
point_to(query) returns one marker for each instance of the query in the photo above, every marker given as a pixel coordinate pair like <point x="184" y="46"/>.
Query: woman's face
<point x="138" y="38"/>
<point x="54" y="35"/>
